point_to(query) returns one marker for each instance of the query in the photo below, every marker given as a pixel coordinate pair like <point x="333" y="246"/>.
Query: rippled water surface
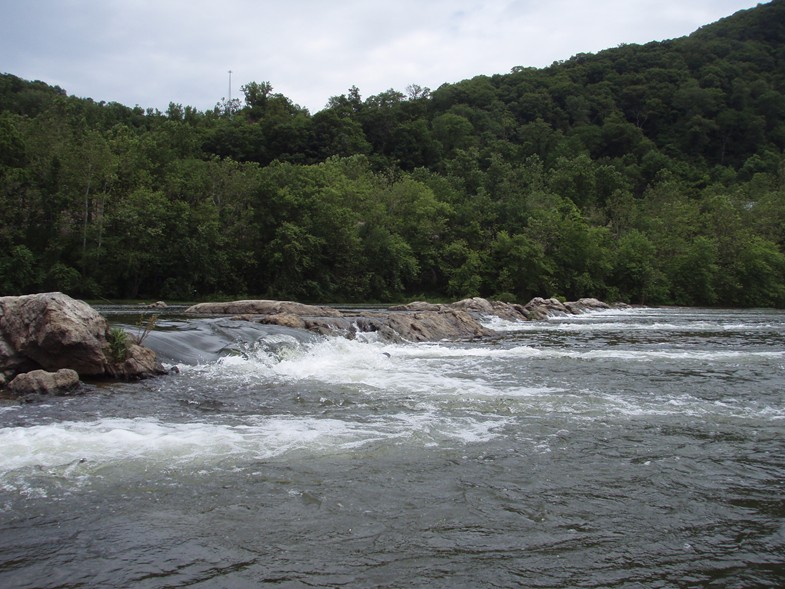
<point x="638" y="448"/>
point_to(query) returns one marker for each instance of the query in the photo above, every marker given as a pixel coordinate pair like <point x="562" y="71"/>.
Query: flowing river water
<point x="633" y="448"/>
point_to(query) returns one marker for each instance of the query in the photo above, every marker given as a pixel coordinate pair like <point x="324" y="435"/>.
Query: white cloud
<point x="152" y="52"/>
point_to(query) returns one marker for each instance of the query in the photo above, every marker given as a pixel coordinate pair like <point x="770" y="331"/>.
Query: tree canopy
<point x="644" y="173"/>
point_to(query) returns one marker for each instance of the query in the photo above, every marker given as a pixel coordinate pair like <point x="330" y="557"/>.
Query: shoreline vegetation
<point x="645" y="174"/>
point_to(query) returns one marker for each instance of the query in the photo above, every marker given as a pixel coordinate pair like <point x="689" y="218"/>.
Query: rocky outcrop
<point x="586" y="306"/>
<point x="485" y="308"/>
<point x="452" y="324"/>
<point x="52" y="331"/>
<point x="262" y="307"/>
<point x="417" y="321"/>
<point x="535" y="310"/>
<point x="539" y="308"/>
<point x="419" y="306"/>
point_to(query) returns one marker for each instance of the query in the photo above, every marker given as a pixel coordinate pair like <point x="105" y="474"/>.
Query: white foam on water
<point x="654" y="355"/>
<point x="438" y="375"/>
<point x="548" y="323"/>
<point x="109" y="439"/>
<point x="502" y="325"/>
<point x="574" y="326"/>
<point x="686" y="405"/>
<point x="606" y="353"/>
<point x="162" y="445"/>
<point x="632" y="320"/>
<point x="425" y="370"/>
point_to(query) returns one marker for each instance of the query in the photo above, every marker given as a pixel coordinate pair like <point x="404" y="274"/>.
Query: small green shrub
<point x="118" y="344"/>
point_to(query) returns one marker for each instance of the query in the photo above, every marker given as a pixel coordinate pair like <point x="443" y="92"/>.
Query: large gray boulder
<point x="51" y="331"/>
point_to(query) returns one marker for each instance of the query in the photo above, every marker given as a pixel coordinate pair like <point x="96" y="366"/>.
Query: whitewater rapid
<point x="592" y="439"/>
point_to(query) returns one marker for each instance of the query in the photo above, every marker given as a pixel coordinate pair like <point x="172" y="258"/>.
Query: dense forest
<point x="644" y="173"/>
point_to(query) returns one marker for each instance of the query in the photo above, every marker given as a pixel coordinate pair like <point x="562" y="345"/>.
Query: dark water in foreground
<point x="639" y="448"/>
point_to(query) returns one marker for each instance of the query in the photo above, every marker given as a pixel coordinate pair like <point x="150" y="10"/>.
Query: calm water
<point x="641" y="448"/>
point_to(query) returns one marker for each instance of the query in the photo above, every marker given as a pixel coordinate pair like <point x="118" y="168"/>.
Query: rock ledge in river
<point x="417" y="321"/>
<point x="261" y="307"/>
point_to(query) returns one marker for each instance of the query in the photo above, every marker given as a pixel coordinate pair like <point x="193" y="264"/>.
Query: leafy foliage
<point x="651" y="173"/>
<point x="118" y="344"/>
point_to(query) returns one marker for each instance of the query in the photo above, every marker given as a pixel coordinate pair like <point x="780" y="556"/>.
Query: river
<point x="640" y="448"/>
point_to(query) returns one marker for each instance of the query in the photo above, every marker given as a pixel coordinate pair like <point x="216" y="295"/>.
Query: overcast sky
<point x="152" y="52"/>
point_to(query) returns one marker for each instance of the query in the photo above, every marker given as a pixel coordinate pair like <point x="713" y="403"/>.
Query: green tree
<point x="692" y="273"/>
<point x="463" y="267"/>
<point x="519" y="268"/>
<point x="635" y="270"/>
<point x="453" y="131"/>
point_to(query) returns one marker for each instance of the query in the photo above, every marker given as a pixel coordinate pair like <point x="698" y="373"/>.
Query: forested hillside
<point x="646" y="174"/>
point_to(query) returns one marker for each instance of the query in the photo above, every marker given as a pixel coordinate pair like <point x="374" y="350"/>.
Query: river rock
<point x="41" y="382"/>
<point x="446" y="323"/>
<point x="139" y="362"/>
<point x="418" y="306"/>
<point x="417" y="321"/>
<point x="50" y="331"/>
<point x="449" y="324"/>
<point x="476" y="306"/>
<point x="486" y="308"/>
<point x="586" y="305"/>
<point x="262" y="307"/>
<point x="539" y="308"/>
<point x="282" y="319"/>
